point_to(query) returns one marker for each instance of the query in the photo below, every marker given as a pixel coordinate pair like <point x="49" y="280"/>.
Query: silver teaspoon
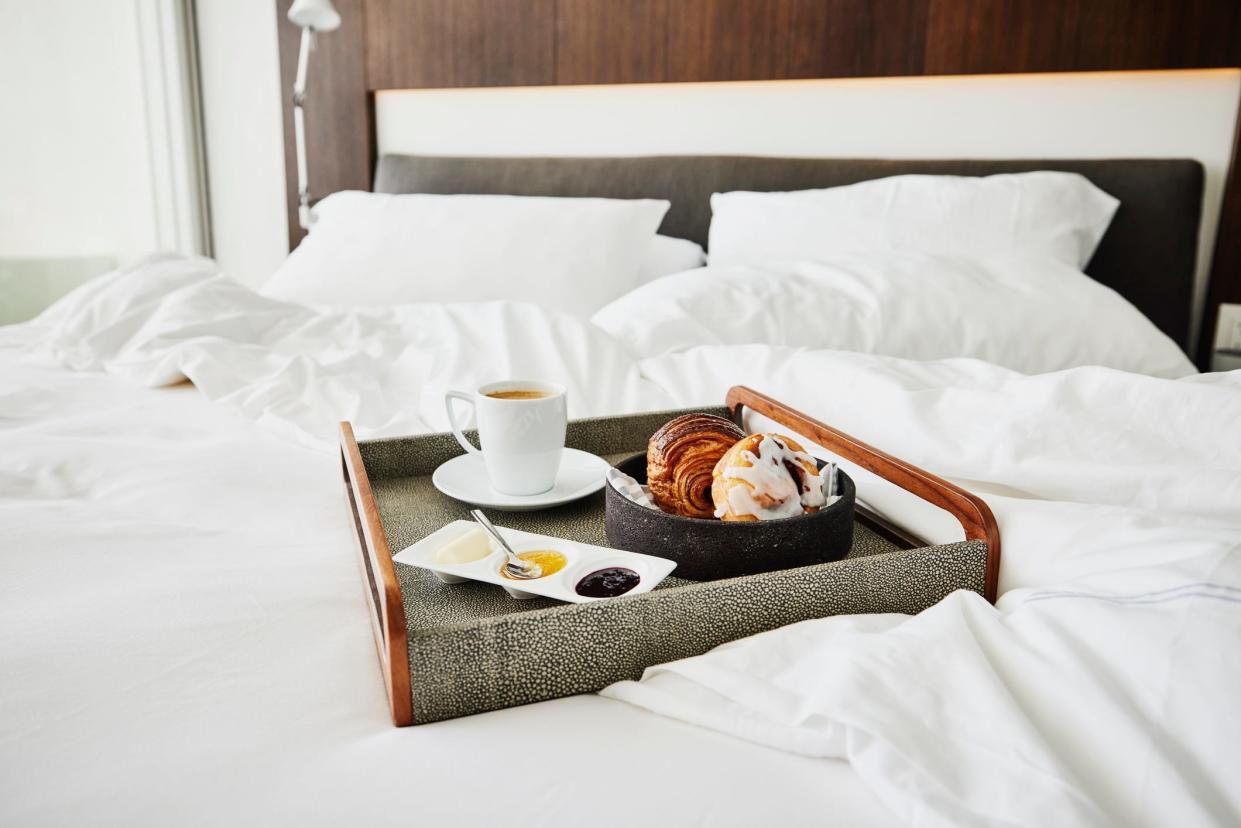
<point x="515" y="567"/>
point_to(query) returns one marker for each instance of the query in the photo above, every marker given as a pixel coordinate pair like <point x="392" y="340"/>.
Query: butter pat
<point x="471" y="546"/>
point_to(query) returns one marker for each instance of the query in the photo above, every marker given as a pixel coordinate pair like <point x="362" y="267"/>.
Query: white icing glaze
<point x="772" y="493"/>
<point x="827" y="475"/>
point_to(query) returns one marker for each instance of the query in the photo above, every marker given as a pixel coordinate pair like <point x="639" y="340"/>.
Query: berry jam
<point x="608" y="583"/>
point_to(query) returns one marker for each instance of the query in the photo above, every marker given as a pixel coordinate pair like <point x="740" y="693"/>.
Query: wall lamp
<point x="311" y="16"/>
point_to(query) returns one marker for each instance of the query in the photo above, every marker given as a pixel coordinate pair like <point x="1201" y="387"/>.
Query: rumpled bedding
<point x="1098" y="690"/>
<point x="1030" y="314"/>
<point x="301" y="371"/>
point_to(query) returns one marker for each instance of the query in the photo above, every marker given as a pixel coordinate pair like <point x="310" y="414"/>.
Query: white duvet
<point x="1098" y="692"/>
<point x="1101" y="690"/>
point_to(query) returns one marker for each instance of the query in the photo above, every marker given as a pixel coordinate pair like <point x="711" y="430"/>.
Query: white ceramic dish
<point x="465" y="478"/>
<point x="583" y="559"/>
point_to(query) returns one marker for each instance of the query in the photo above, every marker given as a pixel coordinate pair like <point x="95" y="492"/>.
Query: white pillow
<point x="669" y="254"/>
<point x="375" y="249"/>
<point x="1039" y="213"/>
<point x="1030" y="315"/>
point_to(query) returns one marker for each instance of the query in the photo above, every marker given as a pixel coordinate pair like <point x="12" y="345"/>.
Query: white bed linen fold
<point x="1099" y="692"/>
<point x="1026" y="313"/>
<point x="171" y="569"/>
<point x="302" y="371"/>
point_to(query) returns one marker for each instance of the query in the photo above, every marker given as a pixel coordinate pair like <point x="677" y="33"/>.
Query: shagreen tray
<point x="449" y="650"/>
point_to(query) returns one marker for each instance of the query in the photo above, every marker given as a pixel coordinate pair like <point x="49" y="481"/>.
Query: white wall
<point x="239" y="71"/>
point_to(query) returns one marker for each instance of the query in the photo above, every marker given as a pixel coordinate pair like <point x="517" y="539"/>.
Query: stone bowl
<point x="708" y="550"/>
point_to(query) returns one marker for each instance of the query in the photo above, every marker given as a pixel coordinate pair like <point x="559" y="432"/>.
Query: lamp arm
<point x="305" y="217"/>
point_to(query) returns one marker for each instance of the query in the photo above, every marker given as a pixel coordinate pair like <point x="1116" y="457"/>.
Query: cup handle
<point x="452" y="420"/>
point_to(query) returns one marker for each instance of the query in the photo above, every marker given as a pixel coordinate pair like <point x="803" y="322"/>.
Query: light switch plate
<point x="1228" y="331"/>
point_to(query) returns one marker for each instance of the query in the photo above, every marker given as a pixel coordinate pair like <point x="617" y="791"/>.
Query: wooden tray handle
<point x="970" y="511"/>
<point x="383" y="593"/>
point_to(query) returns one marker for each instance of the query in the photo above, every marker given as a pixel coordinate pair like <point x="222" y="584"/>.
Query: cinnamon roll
<point x="680" y="459"/>
<point x="766" y="476"/>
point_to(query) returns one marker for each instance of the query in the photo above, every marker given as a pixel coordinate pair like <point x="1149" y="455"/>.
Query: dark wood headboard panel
<point x="395" y="44"/>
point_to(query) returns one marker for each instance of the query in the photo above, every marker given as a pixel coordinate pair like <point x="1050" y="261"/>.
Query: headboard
<point x="384" y="48"/>
<point x="1147" y="254"/>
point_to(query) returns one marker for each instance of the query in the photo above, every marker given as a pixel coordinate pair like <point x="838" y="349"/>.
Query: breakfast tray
<point x="449" y="650"/>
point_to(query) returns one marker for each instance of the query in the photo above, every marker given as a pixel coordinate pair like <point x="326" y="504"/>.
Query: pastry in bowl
<point x="681" y="458"/>
<point x="764" y="477"/>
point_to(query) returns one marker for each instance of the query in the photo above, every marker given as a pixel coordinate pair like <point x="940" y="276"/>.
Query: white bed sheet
<point x="184" y="640"/>
<point x="171" y="568"/>
<point x="1101" y="688"/>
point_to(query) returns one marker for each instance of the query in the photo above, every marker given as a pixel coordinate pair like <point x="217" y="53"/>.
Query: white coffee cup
<point x="521" y="438"/>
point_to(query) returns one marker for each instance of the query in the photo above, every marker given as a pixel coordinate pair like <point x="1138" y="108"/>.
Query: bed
<point x="184" y="635"/>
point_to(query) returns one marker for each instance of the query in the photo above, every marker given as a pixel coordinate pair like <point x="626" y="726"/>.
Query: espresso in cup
<point x="521" y="429"/>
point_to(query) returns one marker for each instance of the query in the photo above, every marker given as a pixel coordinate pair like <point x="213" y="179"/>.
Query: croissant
<point x="766" y="476"/>
<point x="680" y="458"/>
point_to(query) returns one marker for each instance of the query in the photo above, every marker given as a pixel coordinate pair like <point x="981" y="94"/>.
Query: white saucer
<point x="465" y="478"/>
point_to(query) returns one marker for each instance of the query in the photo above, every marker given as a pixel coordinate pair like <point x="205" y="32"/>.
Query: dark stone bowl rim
<point x="840" y="505"/>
